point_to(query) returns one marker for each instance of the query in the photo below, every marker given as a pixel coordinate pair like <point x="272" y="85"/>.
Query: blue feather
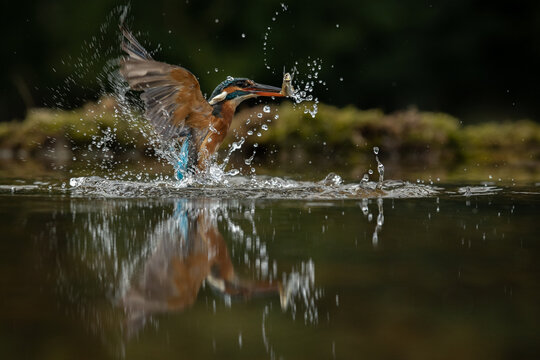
<point x="181" y="215"/>
<point x="181" y="165"/>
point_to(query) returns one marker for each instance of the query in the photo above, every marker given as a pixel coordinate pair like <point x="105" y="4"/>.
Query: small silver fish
<point x="287" y="88"/>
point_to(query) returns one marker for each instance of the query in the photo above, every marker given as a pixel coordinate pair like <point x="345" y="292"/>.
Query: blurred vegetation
<point x="463" y="57"/>
<point x="334" y="136"/>
<point x="64" y="131"/>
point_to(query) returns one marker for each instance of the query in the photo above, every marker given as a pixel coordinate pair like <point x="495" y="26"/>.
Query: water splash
<point x="304" y="85"/>
<point x="216" y="180"/>
<point x="128" y="109"/>
<point x="380" y="166"/>
<point x="230" y="185"/>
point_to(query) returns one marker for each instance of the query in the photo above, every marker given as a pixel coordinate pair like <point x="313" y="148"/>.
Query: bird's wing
<point x="172" y="95"/>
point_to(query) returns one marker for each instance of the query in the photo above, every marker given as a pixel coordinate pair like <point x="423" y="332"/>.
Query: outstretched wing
<point x="172" y="95"/>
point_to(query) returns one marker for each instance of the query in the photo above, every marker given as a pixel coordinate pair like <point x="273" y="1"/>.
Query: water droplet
<point x="250" y="159"/>
<point x="376" y="150"/>
<point x="230" y="78"/>
<point x="380" y="169"/>
<point x="370" y="172"/>
<point x="259" y="115"/>
<point x="216" y="69"/>
<point x="264" y="127"/>
<point x="266" y="108"/>
<point x="337" y="26"/>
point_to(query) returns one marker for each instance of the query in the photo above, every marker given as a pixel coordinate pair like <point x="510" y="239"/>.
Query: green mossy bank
<point x="334" y="134"/>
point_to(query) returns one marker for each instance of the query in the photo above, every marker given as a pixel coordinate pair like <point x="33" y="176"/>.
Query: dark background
<point x="476" y="60"/>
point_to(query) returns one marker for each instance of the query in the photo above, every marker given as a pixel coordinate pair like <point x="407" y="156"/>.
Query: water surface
<point x="268" y="268"/>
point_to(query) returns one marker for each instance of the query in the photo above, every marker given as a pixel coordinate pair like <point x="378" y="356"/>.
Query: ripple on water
<point x="478" y="190"/>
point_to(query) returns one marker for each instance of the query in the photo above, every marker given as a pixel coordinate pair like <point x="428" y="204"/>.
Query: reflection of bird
<point x="176" y="107"/>
<point x="189" y="250"/>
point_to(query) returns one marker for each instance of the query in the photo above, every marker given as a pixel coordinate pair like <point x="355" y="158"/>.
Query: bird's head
<point x="236" y="90"/>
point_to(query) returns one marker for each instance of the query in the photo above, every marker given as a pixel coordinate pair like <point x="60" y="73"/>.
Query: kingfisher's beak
<point x="264" y="90"/>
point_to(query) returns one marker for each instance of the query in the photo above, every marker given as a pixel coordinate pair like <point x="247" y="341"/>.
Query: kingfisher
<point x="177" y="109"/>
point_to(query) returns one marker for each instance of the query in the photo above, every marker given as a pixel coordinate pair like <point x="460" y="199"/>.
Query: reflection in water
<point x="148" y="258"/>
<point x="188" y="249"/>
<point x="169" y="270"/>
<point x="380" y="222"/>
<point x="380" y="218"/>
